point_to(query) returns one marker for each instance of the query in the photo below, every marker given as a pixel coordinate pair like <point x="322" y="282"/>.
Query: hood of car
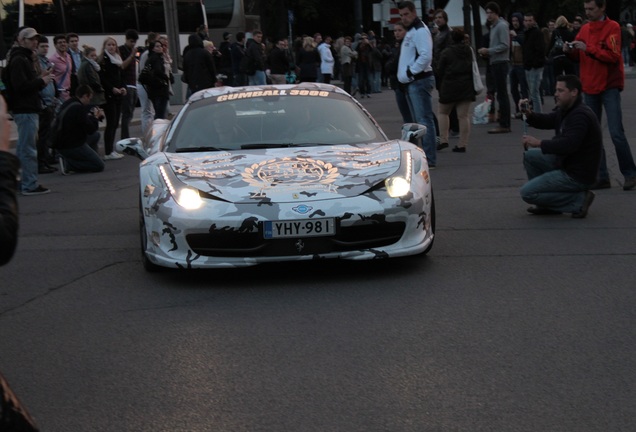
<point x="288" y="174"/>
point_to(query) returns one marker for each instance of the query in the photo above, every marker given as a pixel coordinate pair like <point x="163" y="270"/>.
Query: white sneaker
<point x="113" y="156"/>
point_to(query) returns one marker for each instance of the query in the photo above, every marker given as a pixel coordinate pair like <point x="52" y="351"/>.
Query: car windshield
<point x="237" y="121"/>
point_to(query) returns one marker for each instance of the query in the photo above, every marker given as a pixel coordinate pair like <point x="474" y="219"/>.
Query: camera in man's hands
<point x="524" y="106"/>
<point x="98" y="113"/>
<point x="570" y="45"/>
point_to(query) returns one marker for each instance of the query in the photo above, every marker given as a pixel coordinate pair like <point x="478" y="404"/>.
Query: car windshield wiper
<point x="281" y="145"/>
<point x="267" y="145"/>
<point x="199" y="149"/>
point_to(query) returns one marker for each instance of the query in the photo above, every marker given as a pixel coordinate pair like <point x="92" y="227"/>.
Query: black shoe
<point x="442" y="146"/>
<point x="630" y="183"/>
<point x="499" y="130"/>
<point x="542" y="211"/>
<point x="601" y="184"/>
<point x="46" y="169"/>
<point x="40" y="190"/>
<point x="587" y="202"/>
<point x="458" y="149"/>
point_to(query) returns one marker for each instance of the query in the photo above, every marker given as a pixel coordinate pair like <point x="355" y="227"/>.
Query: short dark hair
<point x="43" y="39"/>
<point x="83" y="90"/>
<point x="132" y="34"/>
<point x="532" y="14"/>
<point x="407" y="5"/>
<point x="70" y="35"/>
<point x="58" y="37"/>
<point x="572" y="82"/>
<point x="240" y="36"/>
<point x="493" y="7"/>
<point x="599" y="3"/>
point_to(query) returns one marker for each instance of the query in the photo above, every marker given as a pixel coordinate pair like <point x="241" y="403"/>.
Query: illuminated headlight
<point x="400" y="184"/>
<point x="397" y="186"/>
<point x="185" y="196"/>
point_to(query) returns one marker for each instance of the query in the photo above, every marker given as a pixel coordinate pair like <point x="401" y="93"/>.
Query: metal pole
<point x="172" y="31"/>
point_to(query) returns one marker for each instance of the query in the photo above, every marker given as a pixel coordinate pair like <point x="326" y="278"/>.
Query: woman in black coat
<point x="561" y="35"/>
<point x="307" y="61"/>
<point x="159" y="87"/>
<point x="456" y="89"/>
<point x="110" y="63"/>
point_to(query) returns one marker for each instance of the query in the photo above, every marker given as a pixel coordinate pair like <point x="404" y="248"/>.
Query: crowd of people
<point x="523" y="61"/>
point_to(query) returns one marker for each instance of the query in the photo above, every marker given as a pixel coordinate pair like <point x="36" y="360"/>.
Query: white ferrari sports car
<point x="243" y="176"/>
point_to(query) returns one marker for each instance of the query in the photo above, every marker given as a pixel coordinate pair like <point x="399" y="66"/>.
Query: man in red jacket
<point x="598" y="49"/>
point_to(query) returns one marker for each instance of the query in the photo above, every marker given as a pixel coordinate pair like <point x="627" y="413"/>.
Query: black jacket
<point x="533" y="49"/>
<point x="577" y="143"/>
<point x="198" y="66"/>
<point x="280" y="61"/>
<point x="160" y="82"/>
<point x="25" y="82"/>
<point x="456" y="74"/>
<point x="9" y="166"/>
<point x="110" y="76"/>
<point x="77" y="124"/>
<point x="255" y="52"/>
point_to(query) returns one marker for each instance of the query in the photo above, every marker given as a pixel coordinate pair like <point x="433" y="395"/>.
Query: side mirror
<point x="132" y="147"/>
<point x="413" y="132"/>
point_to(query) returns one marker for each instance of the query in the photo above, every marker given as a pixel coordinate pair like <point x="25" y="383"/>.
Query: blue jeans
<point x="419" y="95"/>
<point x="26" y="149"/>
<point x="500" y="76"/>
<point x="147" y="109"/>
<point x="549" y="187"/>
<point x="534" y="76"/>
<point x="518" y="85"/>
<point x="403" y="105"/>
<point x="258" y="78"/>
<point x="625" y="53"/>
<point x="611" y="100"/>
<point x="83" y="158"/>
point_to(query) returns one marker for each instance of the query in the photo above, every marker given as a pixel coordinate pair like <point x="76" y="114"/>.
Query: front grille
<point x="232" y="243"/>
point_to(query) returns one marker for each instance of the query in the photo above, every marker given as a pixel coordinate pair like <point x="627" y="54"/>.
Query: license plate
<point x="299" y="228"/>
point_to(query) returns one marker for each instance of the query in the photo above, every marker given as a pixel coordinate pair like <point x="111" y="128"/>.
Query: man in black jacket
<point x="533" y="59"/>
<point x="77" y="136"/>
<point x="562" y="169"/>
<point x="255" y="52"/>
<point x="25" y="85"/>
<point x="199" y="71"/>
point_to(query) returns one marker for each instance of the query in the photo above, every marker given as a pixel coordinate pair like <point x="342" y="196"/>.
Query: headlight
<point x="185" y="196"/>
<point x="400" y="184"/>
<point x="397" y="186"/>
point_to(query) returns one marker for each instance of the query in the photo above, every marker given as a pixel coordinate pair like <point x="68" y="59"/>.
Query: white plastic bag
<point x="480" y="113"/>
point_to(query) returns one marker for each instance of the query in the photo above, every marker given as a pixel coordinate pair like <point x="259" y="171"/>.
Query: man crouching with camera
<point x="75" y="134"/>
<point x="561" y="169"/>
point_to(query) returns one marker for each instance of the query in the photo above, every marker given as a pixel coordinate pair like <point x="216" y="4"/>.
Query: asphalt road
<point x="512" y="323"/>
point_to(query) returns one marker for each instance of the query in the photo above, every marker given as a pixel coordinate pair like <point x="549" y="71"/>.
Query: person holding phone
<point x="561" y="170"/>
